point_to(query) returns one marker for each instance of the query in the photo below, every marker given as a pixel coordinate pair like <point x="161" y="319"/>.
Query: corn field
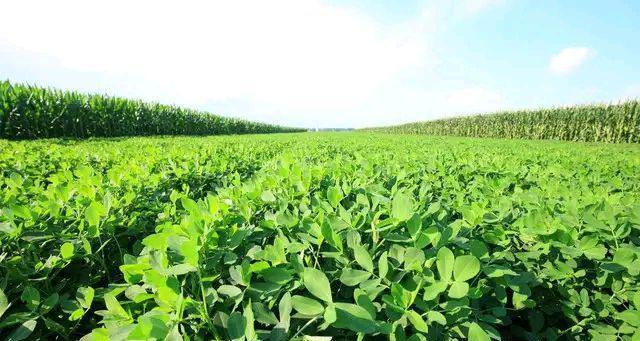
<point x="618" y="123"/>
<point x="29" y="112"/>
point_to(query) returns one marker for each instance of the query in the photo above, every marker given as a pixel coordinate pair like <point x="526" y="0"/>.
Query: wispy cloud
<point x="290" y="54"/>
<point x="473" y="7"/>
<point x="631" y="92"/>
<point x="569" y="59"/>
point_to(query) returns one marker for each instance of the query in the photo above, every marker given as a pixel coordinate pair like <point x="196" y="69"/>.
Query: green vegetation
<point x="28" y="112"/>
<point x="349" y="235"/>
<point x="619" y="123"/>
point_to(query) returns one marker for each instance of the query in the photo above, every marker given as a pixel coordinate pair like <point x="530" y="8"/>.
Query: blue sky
<point x="330" y="63"/>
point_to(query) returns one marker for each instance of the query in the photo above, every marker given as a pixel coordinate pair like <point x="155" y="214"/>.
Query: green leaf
<point x="432" y="291"/>
<point x="383" y="265"/>
<point x="631" y="317"/>
<point x="402" y="206"/>
<point x="363" y="258"/>
<point x="236" y="326"/>
<point x="247" y="313"/>
<point x="636" y="300"/>
<point x="23" y="331"/>
<point x="444" y="263"/>
<point x="329" y="314"/>
<point x="113" y="306"/>
<point x="417" y="321"/>
<point x="85" y="295"/>
<point x="31" y="297"/>
<point x="624" y="256"/>
<point x="229" y="290"/>
<point x="353" y="317"/>
<point x="4" y="303"/>
<point x="317" y="283"/>
<point x="592" y="249"/>
<point x="465" y="268"/>
<point x="458" y="289"/>
<point x="334" y="194"/>
<point x="414" y="224"/>
<point x="479" y="249"/>
<point x="263" y="314"/>
<point x="284" y="309"/>
<point x="437" y="317"/>
<point x="476" y="333"/>
<point x="352" y="277"/>
<point x="66" y="250"/>
<point x="306" y="306"/>
<point x="267" y="196"/>
<point x="49" y="303"/>
<point x="94" y="212"/>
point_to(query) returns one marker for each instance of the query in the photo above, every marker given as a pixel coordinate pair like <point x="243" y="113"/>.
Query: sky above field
<point x="331" y="63"/>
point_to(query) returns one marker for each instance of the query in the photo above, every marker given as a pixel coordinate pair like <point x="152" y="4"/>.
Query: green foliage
<point x="291" y="237"/>
<point x="29" y="112"/>
<point x="618" y="123"/>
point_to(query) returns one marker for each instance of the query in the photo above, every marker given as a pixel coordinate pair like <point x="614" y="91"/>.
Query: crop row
<point x="29" y="112"/>
<point x="348" y="236"/>
<point x="619" y="123"/>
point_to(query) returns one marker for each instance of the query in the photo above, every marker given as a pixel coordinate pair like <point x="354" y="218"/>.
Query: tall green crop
<point x="619" y="123"/>
<point x="29" y="112"/>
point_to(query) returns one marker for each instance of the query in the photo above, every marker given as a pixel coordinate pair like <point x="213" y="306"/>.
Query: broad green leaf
<point x="66" y="250"/>
<point x="363" y="258"/>
<point x="113" y="306"/>
<point x="267" y="196"/>
<point x="229" y="290"/>
<point x="437" y="317"/>
<point x="23" y="331"/>
<point x="352" y="277"/>
<point x="465" y="268"/>
<point x="383" y="265"/>
<point x="402" y="206"/>
<point x="31" y="297"/>
<point x="416" y="320"/>
<point x="334" y="194"/>
<point x="362" y="299"/>
<point x="85" y="295"/>
<point x="479" y="249"/>
<point x="263" y="314"/>
<point x="444" y="263"/>
<point x="631" y="317"/>
<point x="353" y="317"/>
<point x="4" y="303"/>
<point x="236" y="326"/>
<point x="432" y="291"/>
<point x="317" y="283"/>
<point x="476" y="333"/>
<point x="414" y="224"/>
<point x="624" y="256"/>
<point x="458" y="289"/>
<point x="247" y="313"/>
<point x="94" y="212"/>
<point x="306" y="306"/>
<point x="49" y="303"/>
<point x="329" y="314"/>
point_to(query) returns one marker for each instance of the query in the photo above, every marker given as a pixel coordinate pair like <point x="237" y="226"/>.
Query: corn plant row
<point x="344" y="236"/>
<point x="29" y="112"/>
<point x="616" y="123"/>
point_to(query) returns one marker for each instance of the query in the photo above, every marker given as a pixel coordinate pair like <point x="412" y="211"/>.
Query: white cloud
<point x="569" y="59"/>
<point x="290" y="54"/>
<point x="473" y="7"/>
<point x="631" y="92"/>
<point x="294" y="62"/>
